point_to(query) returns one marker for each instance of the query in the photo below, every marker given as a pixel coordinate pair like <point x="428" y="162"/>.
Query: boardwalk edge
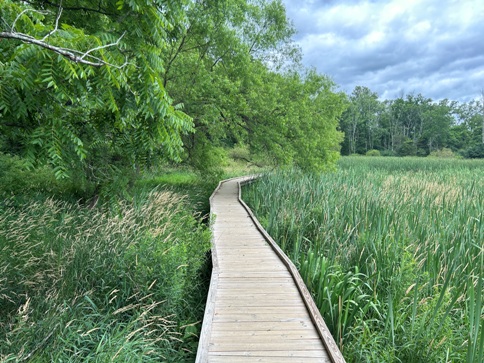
<point x="332" y="349"/>
<point x="204" y="341"/>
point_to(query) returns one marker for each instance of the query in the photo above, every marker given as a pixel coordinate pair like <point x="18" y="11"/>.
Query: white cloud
<point x="433" y="47"/>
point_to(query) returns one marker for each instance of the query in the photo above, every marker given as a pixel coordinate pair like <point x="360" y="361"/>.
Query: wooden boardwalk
<point x="256" y="309"/>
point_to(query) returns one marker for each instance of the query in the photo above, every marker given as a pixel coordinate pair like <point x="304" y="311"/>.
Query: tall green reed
<point x="398" y="241"/>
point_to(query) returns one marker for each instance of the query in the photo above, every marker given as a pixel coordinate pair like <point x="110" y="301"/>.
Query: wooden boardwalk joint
<point x="258" y="309"/>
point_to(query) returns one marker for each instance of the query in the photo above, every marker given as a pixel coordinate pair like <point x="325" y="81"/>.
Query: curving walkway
<point x="257" y="310"/>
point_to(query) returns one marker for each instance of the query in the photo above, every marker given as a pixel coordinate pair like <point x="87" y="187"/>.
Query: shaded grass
<point x="195" y="187"/>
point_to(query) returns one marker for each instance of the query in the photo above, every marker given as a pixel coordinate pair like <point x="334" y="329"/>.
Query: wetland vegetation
<point x="392" y="251"/>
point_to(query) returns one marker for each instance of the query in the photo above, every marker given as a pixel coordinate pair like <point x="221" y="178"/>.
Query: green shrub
<point x="19" y="180"/>
<point x="240" y="152"/>
<point x="207" y="159"/>
<point x="388" y="153"/>
<point x="408" y="148"/>
<point x="373" y="153"/>
<point x="15" y="177"/>
<point x="442" y="153"/>
<point x="474" y="152"/>
<point x="422" y="152"/>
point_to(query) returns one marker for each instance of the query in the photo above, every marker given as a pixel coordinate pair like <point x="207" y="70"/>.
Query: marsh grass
<point x="101" y="284"/>
<point x="392" y="251"/>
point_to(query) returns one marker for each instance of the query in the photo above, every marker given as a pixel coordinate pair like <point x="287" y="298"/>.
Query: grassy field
<point x="392" y="251"/>
<point x="121" y="281"/>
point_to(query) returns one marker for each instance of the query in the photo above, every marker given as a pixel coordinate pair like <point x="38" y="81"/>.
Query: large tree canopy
<point x="86" y="84"/>
<point x="237" y="72"/>
<point x="82" y="79"/>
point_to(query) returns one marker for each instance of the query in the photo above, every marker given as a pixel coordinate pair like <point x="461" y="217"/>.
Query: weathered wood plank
<point x="254" y="274"/>
<point x="276" y="334"/>
<point x="274" y="356"/>
<point x="264" y="346"/>
<point x="241" y="326"/>
<point x="242" y="359"/>
<point x="276" y="287"/>
<point x="259" y="303"/>
<point x="234" y="317"/>
<point x="249" y="279"/>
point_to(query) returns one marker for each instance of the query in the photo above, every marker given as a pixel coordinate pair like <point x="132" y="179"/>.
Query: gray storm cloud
<point x="432" y="47"/>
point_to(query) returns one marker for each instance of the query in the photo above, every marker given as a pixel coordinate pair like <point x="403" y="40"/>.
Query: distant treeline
<point x="411" y="125"/>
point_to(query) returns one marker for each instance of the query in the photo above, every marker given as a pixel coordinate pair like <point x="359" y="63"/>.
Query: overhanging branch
<point x="72" y="54"/>
<point x="82" y="57"/>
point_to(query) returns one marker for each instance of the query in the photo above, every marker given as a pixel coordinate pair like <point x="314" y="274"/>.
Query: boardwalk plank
<point x="258" y="345"/>
<point x="286" y="334"/>
<point x="239" y="359"/>
<point x="275" y="355"/>
<point x="260" y="326"/>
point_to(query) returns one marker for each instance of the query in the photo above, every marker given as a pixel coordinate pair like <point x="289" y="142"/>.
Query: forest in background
<point x="412" y="125"/>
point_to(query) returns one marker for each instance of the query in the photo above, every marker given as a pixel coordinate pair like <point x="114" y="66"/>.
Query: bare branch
<point x="72" y="54"/>
<point x="103" y="46"/>
<point x="59" y="13"/>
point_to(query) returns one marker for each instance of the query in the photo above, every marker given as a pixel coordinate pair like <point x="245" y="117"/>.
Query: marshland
<point x="392" y="251"/>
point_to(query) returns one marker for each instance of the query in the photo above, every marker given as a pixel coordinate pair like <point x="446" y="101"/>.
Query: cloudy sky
<point x="433" y="47"/>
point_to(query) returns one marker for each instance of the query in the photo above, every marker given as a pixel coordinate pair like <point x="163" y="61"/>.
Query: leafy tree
<point x="407" y="148"/>
<point x="360" y="120"/>
<point x="82" y="83"/>
<point x="466" y="135"/>
<point x="87" y="85"/>
<point x="294" y="119"/>
<point x="393" y="125"/>
<point x="235" y="70"/>
<point x="438" y="121"/>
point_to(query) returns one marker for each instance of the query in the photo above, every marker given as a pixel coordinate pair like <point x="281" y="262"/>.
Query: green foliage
<point x="293" y="120"/>
<point x="240" y="152"/>
<point x="113" y="102"/>
<point x="390" y="249"/>
<point x="408" y="148"/>
<point x="81" y="284"/>
<point x="18" y="181"/>
<point x="474" y="152"/>
<point x="191" y="183"/>
<point x="389" y="125"/>
<point x="342" y="297"/>
<point x="14" y="175"/>
<point x="373" y="152"/>
<point x="66" y="113"/>
<point x="236" y="71"/>
<point x="442" y="153"/>
<point x="388" y="153"/>
<point x="359" y="122"/>
<point x="206" y="158"/>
